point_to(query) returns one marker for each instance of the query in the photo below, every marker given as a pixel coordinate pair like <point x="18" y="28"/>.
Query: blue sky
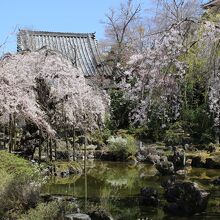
<point x="53" y="15"/>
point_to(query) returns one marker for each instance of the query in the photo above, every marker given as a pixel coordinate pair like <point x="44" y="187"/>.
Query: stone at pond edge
<point x="99" y="215"/>
<point x="165" y="167"/>
<point x="66" y="169"/>
<point x="197" y="162"/>
<point x="178" y="159"/>
<point x="216" y="181"/>
<point x="77" y="216"/>
<point x="209" y="162"/>
<point x="185" y="199"/>
<point x="149" y="155"/>
<point x="211" y="148"/>
<point x="213" y="163"/>
<point x="152" y="159"/>
<point x="149" y="197"/>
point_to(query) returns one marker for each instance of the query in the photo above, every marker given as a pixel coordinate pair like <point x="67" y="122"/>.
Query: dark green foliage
<point x="100" y="137"/>
<point x="198" y="123"/>
<point x="175" y="135"/>
<point x="120" y="109"/>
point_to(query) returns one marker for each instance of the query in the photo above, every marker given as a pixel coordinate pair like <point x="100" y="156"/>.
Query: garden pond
<point x="115" y="187"/>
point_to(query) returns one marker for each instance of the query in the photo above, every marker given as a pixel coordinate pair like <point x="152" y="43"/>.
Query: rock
<point x="213" y="162"/>
<point x="74" y="170"/>
<point x="178" y="159"/>
<point x="211" y="148"/>
<point x="165" y="167"/>
<point x="168" y="182"/>
<point x="108" y="156"/>
<point x="185" y="199"/>
<point x="66" y="169"/>
<point x="149" y="155"/>
<point x="149" y="197"/>
<point x="148" y="150"/>
<point x="77" y="216"/>
<point x="140" y="157"/>
<point x="163" y="158"/>
<point x="188" y="162"/>
<point x="99" y="214"/>
<point x="132" y="160"/>
<point x="216" y="181"/>
<point x="181" y="172"/>
<point x="186" y="147"/>
<point x="90" y="155"/>
<point x="152" y="159"/>
<point x="46" y="171"/>
<point x="197" y="162"/>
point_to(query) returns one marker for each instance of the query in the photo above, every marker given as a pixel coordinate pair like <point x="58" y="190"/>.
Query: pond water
<point x="115" y="186"/>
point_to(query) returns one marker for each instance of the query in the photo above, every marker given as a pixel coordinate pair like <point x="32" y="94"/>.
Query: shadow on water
<point x="115" y="186"/>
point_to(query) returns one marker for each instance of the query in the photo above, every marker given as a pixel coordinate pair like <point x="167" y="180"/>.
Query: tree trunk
<point x="217" y="133"/>
<point x="10" y="134"/>
<point x="85" y="154"/>
<point x="50" y="147"/>
<point x="73" y="145"/>
<point x="55" y="149"/>
<point x="66" y="137"/>
<point x="14" y="132"/>
<point x="40" y="149"/>
<point x="4" y="138"/>
<point x="47" y="147"/>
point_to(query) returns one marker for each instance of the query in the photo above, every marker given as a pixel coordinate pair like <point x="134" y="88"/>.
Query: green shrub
<point x="19" y="185"/>
<point x="52" y="210"/>
<point x="100" y="137"/>
<point x="122" y="146"/>
<point x="175" y="135"/>
<point x="120" y="109"/>
<point x="42" y="211"/>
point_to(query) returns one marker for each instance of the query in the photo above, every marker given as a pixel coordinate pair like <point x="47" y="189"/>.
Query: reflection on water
<point x="115" y="187"/>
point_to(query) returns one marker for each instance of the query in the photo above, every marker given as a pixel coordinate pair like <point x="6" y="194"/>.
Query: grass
<point x="15" y="165"/>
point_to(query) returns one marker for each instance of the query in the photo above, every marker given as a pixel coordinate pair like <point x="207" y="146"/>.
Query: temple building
<point x="212" y="4"/>
<point x="80" y="48"/>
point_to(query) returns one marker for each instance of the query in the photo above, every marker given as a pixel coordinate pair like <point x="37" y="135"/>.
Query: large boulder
<point x="106" y="155"/>
<point x="140" y="157"/>
<point x="213" y="162"/>
<point x="197" y="162"/>
<point x="99" y="214"/>
<point x="178" y="158"/>
<point x="216" y="181"/>
<point x="165" y="167"/>
<point x="152" y="159"/>
<point x="211" y="148"/>
<point x="148" y="155"/>
<point x="66" y="169"/>
<point x="148" y="150"/>
<point x="168" y="181"/>
<point x="185" y="199"/>
<point x="149" y="197"/>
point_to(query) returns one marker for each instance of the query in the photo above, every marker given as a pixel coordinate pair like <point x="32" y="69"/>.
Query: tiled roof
<point x="80" y="48"/>
<point x="212" y="3"/>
